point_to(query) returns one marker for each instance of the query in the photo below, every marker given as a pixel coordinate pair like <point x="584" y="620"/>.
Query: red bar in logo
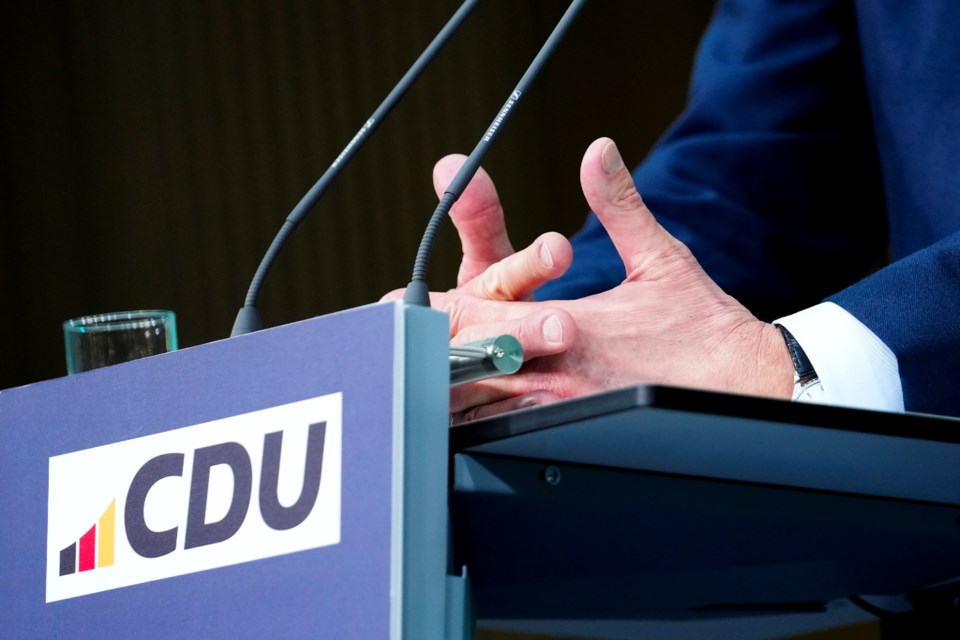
<point x="88" y="549"/>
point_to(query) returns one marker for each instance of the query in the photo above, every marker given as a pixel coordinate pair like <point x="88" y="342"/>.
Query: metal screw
<point x="551" y="475"/>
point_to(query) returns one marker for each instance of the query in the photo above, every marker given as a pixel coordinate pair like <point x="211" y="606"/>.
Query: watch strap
<point x="802" y="366"/>
<point x="806" y="382"/>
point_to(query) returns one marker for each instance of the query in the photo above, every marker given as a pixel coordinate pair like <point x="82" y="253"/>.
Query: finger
<point x="478" y="217"/>
<point x="465" y="310"/>
<point x="493" y="390"/>
<point x="539" y="375"/>
<point x="526" y="401"/>
<point x="542" y="333"/>
<point x="517" y="276"/>
<point x="612" y="195"/>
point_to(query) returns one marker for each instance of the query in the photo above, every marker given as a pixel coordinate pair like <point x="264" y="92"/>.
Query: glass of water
<point x="111" y="338"/>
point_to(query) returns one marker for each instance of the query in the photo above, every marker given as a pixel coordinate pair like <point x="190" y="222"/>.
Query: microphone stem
<point x="417" y="292"/>
<point x="248" y="318"/>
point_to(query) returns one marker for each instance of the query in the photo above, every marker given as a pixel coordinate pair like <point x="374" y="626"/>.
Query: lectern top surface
<point x="705" y="434"/>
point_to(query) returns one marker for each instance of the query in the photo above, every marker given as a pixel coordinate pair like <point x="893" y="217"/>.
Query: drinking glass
<point x="110" y="338"/>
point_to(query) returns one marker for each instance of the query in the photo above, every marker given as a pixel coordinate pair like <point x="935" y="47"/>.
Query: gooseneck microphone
<point x="417" y="292"/>
<point x="248" y="318"/>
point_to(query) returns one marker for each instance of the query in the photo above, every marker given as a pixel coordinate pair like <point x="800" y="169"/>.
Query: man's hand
<point x="668" y="322"/>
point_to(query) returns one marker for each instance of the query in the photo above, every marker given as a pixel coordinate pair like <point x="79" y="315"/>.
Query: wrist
<point x="761" y="362"/>
<point x="775" y="364"/>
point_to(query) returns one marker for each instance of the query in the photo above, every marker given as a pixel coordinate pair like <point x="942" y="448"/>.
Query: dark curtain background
<point x="149" y="151"/>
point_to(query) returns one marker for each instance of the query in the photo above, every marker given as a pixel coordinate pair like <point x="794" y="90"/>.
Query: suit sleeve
<point x="913" y="306"/>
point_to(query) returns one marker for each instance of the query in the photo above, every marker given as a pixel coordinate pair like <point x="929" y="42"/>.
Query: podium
<point x="289" y="483"/>
<point x="303" y="482"/>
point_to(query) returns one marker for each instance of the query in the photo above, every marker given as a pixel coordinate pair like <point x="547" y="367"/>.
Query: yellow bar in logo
<point x="105" y="528"/>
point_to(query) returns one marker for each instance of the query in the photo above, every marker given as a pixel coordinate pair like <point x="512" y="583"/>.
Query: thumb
<point x="478" y="217"/>
<point x="609" y="189"/>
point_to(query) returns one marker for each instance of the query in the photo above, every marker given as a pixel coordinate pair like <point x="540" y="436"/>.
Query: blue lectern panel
<point x="188" y="474"/>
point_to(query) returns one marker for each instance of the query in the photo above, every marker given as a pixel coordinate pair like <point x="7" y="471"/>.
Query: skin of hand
<point x="668" y="322"/>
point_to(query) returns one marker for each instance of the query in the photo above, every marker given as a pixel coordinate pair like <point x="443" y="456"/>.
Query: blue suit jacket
<point x="820" y="143"/>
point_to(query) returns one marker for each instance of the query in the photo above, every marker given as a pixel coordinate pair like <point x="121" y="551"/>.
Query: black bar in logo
<point x="68" y="560"/>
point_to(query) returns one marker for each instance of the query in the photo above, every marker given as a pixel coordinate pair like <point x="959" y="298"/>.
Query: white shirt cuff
<point x="856" y="369"/>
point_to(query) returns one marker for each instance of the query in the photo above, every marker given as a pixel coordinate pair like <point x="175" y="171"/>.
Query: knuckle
<point x="628" y="199"/>
<point x="530" y="334"/>
<point x="494" y="286"/>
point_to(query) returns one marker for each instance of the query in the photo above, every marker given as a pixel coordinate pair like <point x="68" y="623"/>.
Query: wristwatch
<point x="806" y="382"/>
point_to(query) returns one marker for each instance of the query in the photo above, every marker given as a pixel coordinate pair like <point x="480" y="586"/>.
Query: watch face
<point x="810" y="392"/>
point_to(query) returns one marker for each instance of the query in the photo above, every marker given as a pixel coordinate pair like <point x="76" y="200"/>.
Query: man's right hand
<point x="668" y="322"/>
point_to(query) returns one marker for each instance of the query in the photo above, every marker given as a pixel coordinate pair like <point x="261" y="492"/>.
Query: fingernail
<point x="610" y="157"/>
<point x="545" y="256"/>
<point x="529" y="401"/>
<point x="553" y="330"/>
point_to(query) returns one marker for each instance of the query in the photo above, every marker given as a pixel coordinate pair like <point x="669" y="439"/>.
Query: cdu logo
<point x="210" y="495"/>
<point x="94" y="548"/>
